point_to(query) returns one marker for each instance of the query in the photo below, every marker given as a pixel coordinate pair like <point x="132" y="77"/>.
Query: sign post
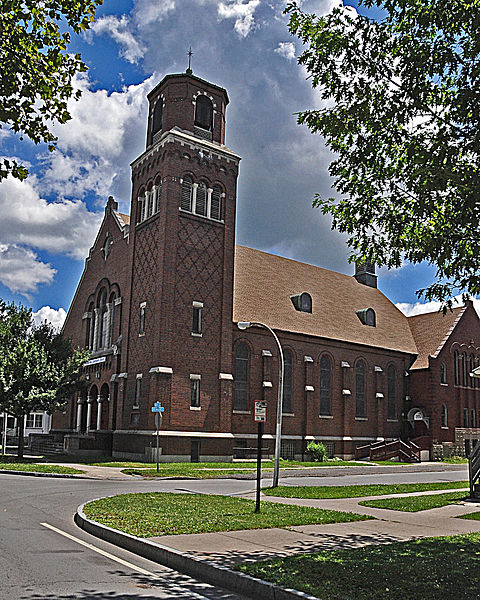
<point x="158" y="409"/>
<point x="260" y="417"/>
<point x="4" y="434"/>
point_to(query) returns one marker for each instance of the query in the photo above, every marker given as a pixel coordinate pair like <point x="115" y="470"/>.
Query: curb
<point x="203" y="570"/>
<point x="40" y="474"/>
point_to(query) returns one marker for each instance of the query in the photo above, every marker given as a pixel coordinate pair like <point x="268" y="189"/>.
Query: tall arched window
<point x="464" y="368"/>
<point x="216" y="203"/>
<point x="140" y="207"/>
<point x="443" y="373"/>
<point x="90" y="321"/>
<point x="444" y="416"/>
<point x="201" y="200"/>
<point x="360" y="404"/>
<point x="111" y="323"/>
<point x="287" y="382"/>
<point x="325" y="385"/>
<point x="100" y="319"/>
<point x="391" y="388"/>
<point x="240" y="387"/>
<point x="157" y="194"/>
<point x="157" y="116"/>
<point x="204" y="113"/>
<point x="456" y="377"/>
<point x="472" y="366"/>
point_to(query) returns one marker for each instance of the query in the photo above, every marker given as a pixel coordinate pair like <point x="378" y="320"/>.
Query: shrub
<point x="317" y="451"/>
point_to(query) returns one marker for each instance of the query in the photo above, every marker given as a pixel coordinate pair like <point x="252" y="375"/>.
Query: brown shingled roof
<point x="430" y="331"/>
<point x="125" y="218"/>
<point x="264" y="283"/>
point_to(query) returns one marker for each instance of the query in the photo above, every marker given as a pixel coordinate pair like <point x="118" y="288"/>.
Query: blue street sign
<point x="158" y="408"/>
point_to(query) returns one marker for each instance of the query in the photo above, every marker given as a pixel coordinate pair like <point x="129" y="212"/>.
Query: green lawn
<point x="473" y="516"/>
<point x="429" y="569"/>
<point x="357" y="491"/>
<point x="416" y="503"/>
<point x="33" y="468"/>
<point x="157" y="513"/>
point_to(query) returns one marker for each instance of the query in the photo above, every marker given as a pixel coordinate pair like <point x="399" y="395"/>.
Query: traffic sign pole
<point x="158" y="409"/>
<point x="259" y="465"/>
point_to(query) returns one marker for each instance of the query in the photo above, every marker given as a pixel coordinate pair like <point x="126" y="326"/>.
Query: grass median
<point x="430" y="569"/>
<point x="160" y="513"/>
<point x="34" y="468"/>
<point x="416" y="503"/>
<point x="358" y="491"/>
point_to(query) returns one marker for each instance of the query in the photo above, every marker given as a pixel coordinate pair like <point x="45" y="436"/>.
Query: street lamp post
<point x="278" y="432"/>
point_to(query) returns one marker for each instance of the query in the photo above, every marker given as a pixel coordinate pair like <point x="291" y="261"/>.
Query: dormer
<point x="189" y="103"/>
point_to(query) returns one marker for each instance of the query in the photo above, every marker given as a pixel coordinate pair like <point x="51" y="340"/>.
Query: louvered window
<point x="158" y="192"/>
<point x="216" y="203"/>
<point x="201" y="202"/>
<point x="150" y="200"/>
<point x="157" y="116"/>
<point x="186" y="200"/>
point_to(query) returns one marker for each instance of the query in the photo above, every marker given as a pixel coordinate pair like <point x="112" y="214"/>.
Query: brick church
<point x="164" y="287"/>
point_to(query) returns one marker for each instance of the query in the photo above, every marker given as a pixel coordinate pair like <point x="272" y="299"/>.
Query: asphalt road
<point x="43" y="555"/>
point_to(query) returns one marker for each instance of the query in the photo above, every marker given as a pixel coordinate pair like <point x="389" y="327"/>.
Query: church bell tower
<point x="182" y="236"/>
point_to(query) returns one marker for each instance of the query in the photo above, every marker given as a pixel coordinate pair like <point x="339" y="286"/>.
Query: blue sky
<point x="50" y="220"/>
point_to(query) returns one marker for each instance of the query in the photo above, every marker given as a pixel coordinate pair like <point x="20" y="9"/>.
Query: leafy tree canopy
<point x="39" y="369"/>
<point x="36" y="69"/>
<point x="400" y="108"/>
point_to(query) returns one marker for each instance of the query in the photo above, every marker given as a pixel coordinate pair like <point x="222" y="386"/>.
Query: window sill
<point x="242" y="412"/>
<point x="325" y="416"/>
<point x="148" y="219"/>
<point x="444" y="384"/>
<point x="443" y="427"/>
<point x="361" y="418"/>
<point x="197" y="334"/>
<point x="392" y="420"/>
<point x="195" y="408"/>
<point x="141" y="335"/>
<point x="135" y="407"/>
<point x="288" y="414"/>
<point x="187" y="213"/>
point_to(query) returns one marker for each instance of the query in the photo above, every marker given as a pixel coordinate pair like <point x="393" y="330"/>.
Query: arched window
<point x="201" y="200"/>
<point x="444" y="416"/>
<point x="149" y="196"/>
<point x="204" y="113"/>
<point x="216" y="203"/>
<point x="89" y="327"/>
<point x="391" y="387"/>
<point x="443" y="373"/>
<point x="140" y="207"/>
<point x="101" y="320"/>
<point x="371" y="318"/>
<point x="360" y="405"/>
<point x="187" y="189"/>
<point x="157" y="116"/>
<point x="287" y="382"/>
<point x="302" y="302"/>
<point x="472" y="366"/>
<point x="111" y="324"/>
<point x="325" y="385"/>
<point x="464" y="368"/>
<point x="240" y="388"/>
<point x="455" y="368"/>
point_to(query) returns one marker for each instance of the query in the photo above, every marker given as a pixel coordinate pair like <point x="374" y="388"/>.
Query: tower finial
<point x="190" y="54"/>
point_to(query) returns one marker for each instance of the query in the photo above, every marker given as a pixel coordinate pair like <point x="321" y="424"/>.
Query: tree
<point x="36" y="68"/>
<point x="39" y="369"/>
<point x="401" y="112"/>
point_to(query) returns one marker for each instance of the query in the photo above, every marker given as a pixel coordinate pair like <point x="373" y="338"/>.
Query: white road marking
<point x="125" y="563"/>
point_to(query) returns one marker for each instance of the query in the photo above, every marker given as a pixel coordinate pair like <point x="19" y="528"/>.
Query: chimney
<point x="365" y="273"/>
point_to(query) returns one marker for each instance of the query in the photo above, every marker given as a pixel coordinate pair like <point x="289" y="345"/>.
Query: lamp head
<point x="244" y="325"/>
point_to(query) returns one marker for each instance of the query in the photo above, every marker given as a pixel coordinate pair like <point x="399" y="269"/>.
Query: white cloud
<point x="420" y="308"/>
<point x="242" y="12"/>
<point x="65" y="226"/>
<point x="53" y="316"/>
<point x="21" y="271"/>
<point x="120" y="30"/>
<point x="152" y="11"/>
<point x="286" y="49"/>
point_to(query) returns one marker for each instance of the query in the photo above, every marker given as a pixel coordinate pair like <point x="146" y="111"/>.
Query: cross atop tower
<point x="190" y="54"/>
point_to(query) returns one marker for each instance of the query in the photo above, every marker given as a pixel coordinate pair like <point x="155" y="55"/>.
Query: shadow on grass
<point x="430" y="569"/>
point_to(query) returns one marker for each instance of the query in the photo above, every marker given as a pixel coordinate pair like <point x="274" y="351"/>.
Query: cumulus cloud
<point x="119" y="29"/>
<point x="152" y="11"/>
<point x="240" y="10"/>
<point x="21" y="271"/>
<point x="52" y="315"/>
<point x="286" y="49"/>
<point x="65" y="226"/>
<point x="420" y="308"/>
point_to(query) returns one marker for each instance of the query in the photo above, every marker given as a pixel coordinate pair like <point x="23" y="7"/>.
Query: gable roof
<point x="431" y="331"/>
<point x="263" y="285"/>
